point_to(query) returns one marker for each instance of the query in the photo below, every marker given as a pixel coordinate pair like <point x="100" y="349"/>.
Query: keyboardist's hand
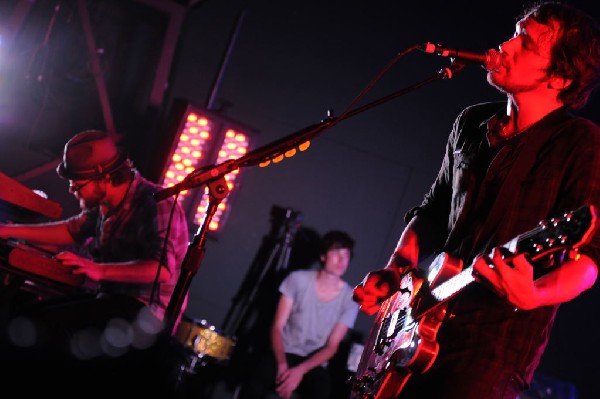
<point x="81" y="265"/>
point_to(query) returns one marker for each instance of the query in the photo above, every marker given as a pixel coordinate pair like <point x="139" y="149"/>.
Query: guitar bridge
<point x="390" y="326"/>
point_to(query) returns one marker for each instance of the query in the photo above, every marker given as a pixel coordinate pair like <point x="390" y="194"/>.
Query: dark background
<point x="278" y="67"/>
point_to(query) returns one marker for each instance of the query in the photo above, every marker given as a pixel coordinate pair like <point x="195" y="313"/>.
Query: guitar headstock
<point x="573" y="229"/>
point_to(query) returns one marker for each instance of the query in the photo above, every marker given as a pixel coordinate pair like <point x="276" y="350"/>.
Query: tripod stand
<point x="265" y="272"/>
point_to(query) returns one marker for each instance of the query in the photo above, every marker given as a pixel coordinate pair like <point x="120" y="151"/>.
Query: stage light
<point x="202" y="138"/>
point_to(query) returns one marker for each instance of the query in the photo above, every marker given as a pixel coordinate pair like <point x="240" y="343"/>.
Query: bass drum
<point x="205" y="340"/>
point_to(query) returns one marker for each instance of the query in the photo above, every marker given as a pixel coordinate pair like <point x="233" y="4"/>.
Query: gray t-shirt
<point x="311" y="321"/>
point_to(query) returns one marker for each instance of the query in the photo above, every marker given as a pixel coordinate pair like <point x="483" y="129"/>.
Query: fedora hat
<point x="90" y="154"/>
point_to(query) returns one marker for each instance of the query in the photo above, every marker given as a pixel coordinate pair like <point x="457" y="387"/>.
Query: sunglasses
<point x="74" y="187"/>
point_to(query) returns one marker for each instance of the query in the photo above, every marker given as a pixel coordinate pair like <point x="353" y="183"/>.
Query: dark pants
<point x="482" y="380"/>
<point x="260" y="380"/>
<point x="55" y="322"/>
<point x="68" y="342"/>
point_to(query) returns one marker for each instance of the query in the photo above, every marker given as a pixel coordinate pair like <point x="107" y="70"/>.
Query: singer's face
<point x="525" y="58"/>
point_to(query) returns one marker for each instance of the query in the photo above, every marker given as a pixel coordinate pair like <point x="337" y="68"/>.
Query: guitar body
<point x="401" y="344"/>
<point x="403" y="338"/>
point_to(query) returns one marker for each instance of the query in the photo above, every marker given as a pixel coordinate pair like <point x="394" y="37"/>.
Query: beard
<point x="93" y="200"/>
<point x="504" y="84"/>
<point x="87" y="204"/>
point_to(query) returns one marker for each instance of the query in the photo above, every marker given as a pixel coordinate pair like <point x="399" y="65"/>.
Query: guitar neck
<point x="453" y="285"/>
<point x="403" y="338"/>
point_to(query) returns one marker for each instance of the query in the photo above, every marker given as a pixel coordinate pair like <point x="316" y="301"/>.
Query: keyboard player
<point x="131" y="245"/>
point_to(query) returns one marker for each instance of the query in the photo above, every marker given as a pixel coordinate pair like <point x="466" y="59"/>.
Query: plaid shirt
<point x="136" y="230"/>
<point x="485" y="334"/>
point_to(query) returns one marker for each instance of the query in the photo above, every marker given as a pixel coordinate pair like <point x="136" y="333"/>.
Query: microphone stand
<point x="213" y="177"/>
<point x="217" y="191"/>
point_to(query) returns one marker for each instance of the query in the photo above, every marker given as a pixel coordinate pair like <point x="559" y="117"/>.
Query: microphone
<point x="490" y="60"/>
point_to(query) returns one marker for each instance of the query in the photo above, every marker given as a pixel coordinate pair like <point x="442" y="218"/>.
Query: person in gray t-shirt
<point x="314" y="312"/>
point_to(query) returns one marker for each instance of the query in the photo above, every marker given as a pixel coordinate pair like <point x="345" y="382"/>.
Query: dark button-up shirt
<point x="564" y="176"/>
<point x="136" y="230"/>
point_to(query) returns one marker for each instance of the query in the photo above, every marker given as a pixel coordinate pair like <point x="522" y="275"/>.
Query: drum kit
<point x="203" y="344"/>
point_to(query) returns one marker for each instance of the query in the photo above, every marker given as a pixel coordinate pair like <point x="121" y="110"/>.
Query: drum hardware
<point x="203" y="344"/>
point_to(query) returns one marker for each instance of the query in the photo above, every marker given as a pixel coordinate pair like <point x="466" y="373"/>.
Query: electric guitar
<point x="402" y="340"/>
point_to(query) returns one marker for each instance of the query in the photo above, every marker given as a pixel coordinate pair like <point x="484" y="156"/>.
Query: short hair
<point x="124" y="174"/>
<point x="576" y="52"/>
<point x="336" y="239"/>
